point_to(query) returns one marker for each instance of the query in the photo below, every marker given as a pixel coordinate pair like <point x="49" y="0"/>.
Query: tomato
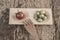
<point x="20" y="15"/>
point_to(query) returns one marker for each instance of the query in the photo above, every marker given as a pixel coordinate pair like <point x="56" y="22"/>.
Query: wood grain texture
<point x="56" y="8"/>
<point x="45" y="32"/>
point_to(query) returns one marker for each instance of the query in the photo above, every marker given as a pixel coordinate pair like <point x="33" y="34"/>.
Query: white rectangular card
<point x="29" y="13"/>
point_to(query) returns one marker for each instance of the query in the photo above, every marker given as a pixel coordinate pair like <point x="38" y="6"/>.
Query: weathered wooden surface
<point x="45" y="32"/>
<point x="56" y="11"/>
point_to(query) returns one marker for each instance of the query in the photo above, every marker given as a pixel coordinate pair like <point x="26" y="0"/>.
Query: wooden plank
<point x="2" y="6"/>
<point x="21" y="4"/>
<point x="7" y="2"/>
<point x="43" y="3"/>
<point x="16" y="3"/>
<point x="56" y="8"/>
<point x="30" y="4"/>
<point x="11" y="3"/>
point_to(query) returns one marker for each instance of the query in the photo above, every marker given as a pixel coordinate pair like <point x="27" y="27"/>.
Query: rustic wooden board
<point x="45" y="32"/>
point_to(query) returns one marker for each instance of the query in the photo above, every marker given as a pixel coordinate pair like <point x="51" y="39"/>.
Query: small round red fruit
<point x="20" y="15"/>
